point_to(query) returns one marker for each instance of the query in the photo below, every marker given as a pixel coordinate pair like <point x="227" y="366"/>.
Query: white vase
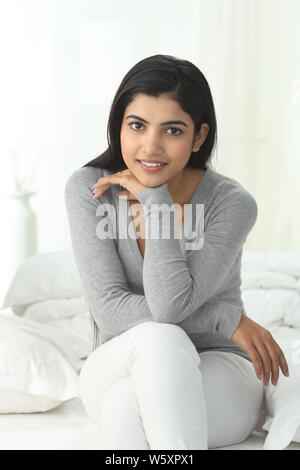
<point x="18" y="231"/>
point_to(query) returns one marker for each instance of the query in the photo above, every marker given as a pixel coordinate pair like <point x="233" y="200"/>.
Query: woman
<point x="179" y="362"/>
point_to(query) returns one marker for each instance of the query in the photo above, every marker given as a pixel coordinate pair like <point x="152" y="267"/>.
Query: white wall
<point x="63" y="64"/>
<point x="62" y="61"/>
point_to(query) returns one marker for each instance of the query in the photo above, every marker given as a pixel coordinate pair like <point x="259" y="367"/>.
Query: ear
<point x="200" y="137"/>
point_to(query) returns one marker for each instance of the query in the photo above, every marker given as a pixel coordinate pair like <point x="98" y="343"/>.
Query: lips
<point x="151" y="168"/>
<point x="152" y="161"/>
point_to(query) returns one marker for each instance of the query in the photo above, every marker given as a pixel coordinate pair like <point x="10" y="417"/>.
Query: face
<point x="170" y="143"/>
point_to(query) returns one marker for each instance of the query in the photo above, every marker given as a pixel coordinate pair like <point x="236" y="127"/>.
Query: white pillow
<point x="66" y="322"/>
<point x="34" y="374"/>
<point x="21" y="402"/>
<point x="282" y="402"/>
<point x="43" y="276"/>
<point x="52" y="310"/>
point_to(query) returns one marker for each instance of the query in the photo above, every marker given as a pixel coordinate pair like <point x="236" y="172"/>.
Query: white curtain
<point x="249" y="51"/>
<point x="255" y="47"/>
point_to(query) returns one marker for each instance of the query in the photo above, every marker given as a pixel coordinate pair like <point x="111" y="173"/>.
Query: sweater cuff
<point x="229" y="322"/>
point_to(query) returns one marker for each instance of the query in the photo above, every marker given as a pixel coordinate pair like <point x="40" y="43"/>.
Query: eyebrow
<point x="162" y="123"/>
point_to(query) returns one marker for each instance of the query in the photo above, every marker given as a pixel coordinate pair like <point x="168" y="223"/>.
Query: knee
<point x="152" y="331"/>
<point x="155" y="336"/>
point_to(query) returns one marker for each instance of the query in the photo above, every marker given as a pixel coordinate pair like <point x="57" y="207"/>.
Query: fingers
<point x="282" y="360"/>
<point x="272" y="363"/>
<point x="105" y="181"/>
<point x="256" y="361"/>
<point x="100" y="184"/>
<point x="266" y="360"/>
<point x="111" y="178"/>
<point x="271" y="357"/>
<point x="98" y="190"/>
<point x="262" y="349"/>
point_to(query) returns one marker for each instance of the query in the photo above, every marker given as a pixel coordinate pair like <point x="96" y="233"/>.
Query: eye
<point x="175" y="128"/>
<point x="139" y="124"/>
<point x="132" y="123"/>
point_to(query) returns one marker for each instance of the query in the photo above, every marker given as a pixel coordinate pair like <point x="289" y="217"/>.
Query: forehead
<point x="156" y="107"/>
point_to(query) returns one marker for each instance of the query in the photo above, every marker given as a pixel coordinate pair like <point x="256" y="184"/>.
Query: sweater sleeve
<point x="177" y="286"/>
<point x="114" y="307"/>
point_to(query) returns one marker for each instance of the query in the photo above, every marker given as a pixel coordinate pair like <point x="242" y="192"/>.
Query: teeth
<point x="152" y="164"/>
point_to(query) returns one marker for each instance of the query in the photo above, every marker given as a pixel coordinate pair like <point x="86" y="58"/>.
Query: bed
<point x="46" y="334"/>
<point x="66" y="427"/>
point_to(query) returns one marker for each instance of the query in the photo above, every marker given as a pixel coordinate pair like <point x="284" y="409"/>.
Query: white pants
<point x="149" y="388"/>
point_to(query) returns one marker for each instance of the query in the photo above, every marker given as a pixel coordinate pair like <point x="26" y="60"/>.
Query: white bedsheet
<point x="271" y="295"/>
<point x="67" y="427"/>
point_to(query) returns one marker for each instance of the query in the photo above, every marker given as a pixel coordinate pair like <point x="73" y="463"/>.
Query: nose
<point x="152" y="144"/>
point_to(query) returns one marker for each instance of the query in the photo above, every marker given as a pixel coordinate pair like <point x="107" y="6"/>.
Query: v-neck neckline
<point x="133" y="241"/>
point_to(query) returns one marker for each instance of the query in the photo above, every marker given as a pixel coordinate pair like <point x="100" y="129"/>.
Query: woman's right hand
<point x="262" y="349"/>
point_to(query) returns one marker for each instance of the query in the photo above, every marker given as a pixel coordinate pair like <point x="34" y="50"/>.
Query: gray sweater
<point x="195" y="285"/>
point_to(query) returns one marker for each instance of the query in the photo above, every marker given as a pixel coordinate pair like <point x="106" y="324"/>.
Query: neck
<point x="177" y="186"/>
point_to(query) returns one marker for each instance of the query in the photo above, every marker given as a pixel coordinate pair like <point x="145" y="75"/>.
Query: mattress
<point x="67" y="427"/>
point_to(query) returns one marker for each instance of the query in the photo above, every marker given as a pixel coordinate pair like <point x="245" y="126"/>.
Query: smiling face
<point x="162" y="138"/>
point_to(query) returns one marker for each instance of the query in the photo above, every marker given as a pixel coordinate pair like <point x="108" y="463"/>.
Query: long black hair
<point x="152" y="76"/>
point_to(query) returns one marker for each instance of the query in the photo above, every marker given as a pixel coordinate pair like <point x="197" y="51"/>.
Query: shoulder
<point x="227" y="194"/>
<point x="83" y="178"/>
<point x="230" y="190"/>
<point x="78" y="191"/>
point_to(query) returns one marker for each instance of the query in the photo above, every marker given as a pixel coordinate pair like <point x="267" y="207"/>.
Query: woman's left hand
<point x="261" y="347"/>
<point x="124" y="178"/>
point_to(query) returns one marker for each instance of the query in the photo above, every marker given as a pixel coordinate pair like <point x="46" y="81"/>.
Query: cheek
<point x="127" y="143"/>
<point x="122" y="139"/>
<point x="180" y="151"/>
